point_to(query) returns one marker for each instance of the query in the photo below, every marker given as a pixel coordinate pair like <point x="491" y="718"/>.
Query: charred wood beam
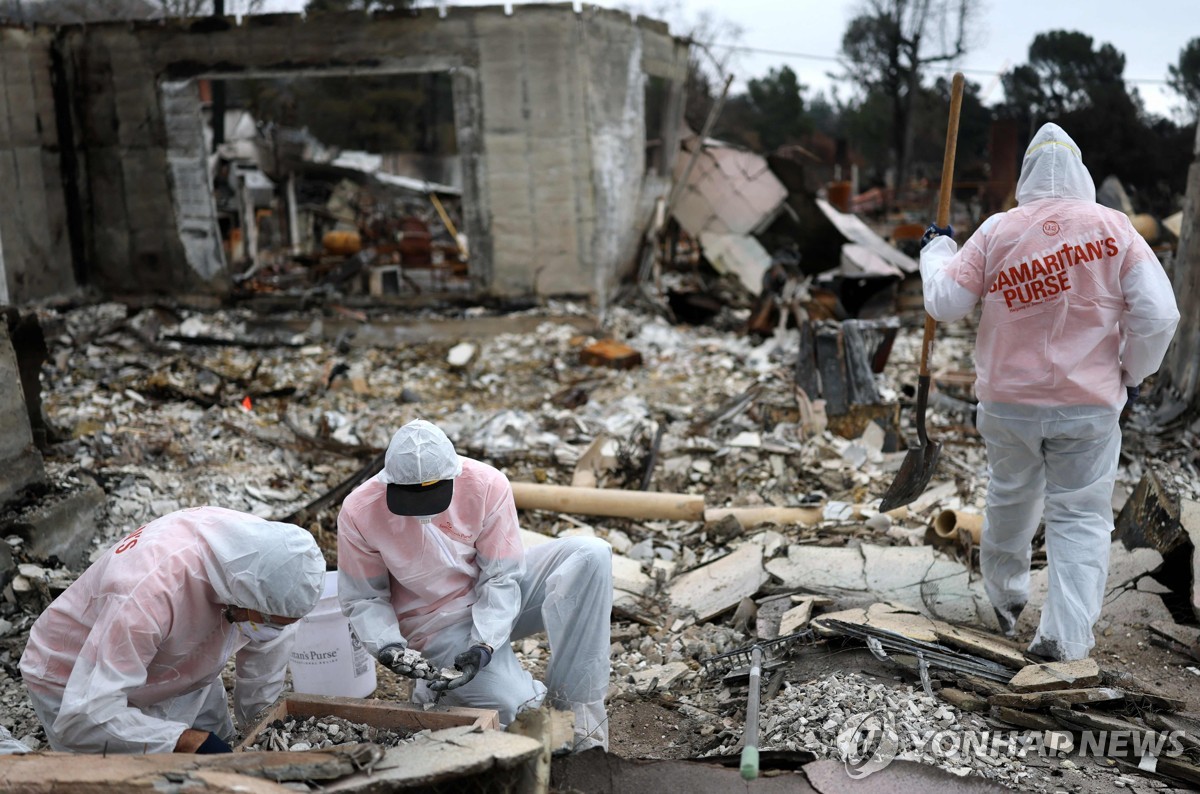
<point x="334" y="495"/>
<point x="730" y="409"/>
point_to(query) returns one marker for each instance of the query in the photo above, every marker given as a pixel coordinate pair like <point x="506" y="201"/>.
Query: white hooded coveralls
<point x="1075" y="308"/>
<point x="466" y="579"/>
<point x="131" y="654"/>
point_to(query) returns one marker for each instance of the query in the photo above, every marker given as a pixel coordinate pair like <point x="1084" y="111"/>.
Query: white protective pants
<point x="567" y="592"/>
<point x="1066" y="456"/>
<point x="205" y="709"/>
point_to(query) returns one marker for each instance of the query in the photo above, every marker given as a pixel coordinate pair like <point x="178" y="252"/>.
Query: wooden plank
<point x="858" y="365"/>
<point x="983" y="686"/>
<point x="243" y="773"/>
<point x="377" y="713"/>
<point x="964" y="701"/>
<point x="806" y="360"/>
<point x="831" y="365"/>
<point x="1140" y="693"/>
<point x="610" y="353"/>
<point x="1036" y="700"/>
<point x="1035" y="721"/>
<point x="1150" y="518"/>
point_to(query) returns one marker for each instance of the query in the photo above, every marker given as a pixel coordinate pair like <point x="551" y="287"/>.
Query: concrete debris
<point x="821" y="716"/>
<point x="1057" y="675"/>
<point x="710" y="590"/>
<point x="921" y="576"/>
<point x="316" y="733"/>
<point x="766" y="506"/>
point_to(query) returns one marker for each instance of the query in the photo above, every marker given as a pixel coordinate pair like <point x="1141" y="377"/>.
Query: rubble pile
<point x="317" y="733"/>
<point x="168" y="407"/>
<point x="821" y="716"/>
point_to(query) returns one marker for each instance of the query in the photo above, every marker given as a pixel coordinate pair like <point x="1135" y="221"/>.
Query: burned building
<point x="567" y="126"/>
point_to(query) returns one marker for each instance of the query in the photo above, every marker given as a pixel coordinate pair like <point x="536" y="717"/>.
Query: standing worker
<point x="432" y="573"/>
<point x="1077" y="311"/>
<point x="129" y="658"/>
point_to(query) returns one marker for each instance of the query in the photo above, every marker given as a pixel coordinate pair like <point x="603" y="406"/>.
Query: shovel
<point x="921" y="460"/>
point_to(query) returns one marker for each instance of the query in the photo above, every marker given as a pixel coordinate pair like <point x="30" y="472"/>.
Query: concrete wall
<point x="20" y="462"/>
<point x="548" y="104"/>
<point x="35" y="247"/>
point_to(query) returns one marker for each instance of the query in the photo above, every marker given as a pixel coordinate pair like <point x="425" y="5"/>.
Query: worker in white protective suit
<point x="1077" y="311"/>
<point x="129" y="658"/>
<point x="431" y="568"/>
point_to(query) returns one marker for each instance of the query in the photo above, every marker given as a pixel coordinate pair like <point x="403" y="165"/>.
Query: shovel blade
<point x="913" y="478"/>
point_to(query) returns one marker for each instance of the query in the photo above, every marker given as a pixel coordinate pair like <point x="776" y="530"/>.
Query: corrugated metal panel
<point x="853" y="229"/>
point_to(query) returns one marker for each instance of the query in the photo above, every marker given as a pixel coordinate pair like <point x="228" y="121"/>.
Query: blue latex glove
<point x="934" y="231"/>
<point x="1131" y="395"/>
<point x="212" y="745"/>
<point x="470" y="661"/>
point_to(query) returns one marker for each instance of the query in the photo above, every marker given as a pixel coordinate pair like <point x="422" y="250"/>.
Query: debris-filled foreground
<point x="883" y="614"/>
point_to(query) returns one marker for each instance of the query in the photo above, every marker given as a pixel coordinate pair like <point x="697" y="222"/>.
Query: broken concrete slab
<point x="919" y="576"/>
<point x="922" y="575"/>
<point x="629" y="576"/>
<point x="660" y="677"/>
<point x="992" y="648"/>
<point x="889" y="617"/>
<point x="60" y="524"/>
<point x="718" y="586"/>
<point x="452" y="756"/>
<point x="1184" y="636"/>
<point x="798" y="616"/>
<point x="1078" y="674"/>
<point x="1037" y="700"/>
<point x="829" y="777"/>
<point x="821" y="568"/>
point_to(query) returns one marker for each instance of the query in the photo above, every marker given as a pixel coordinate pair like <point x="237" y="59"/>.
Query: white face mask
<point x="259" y="632"/>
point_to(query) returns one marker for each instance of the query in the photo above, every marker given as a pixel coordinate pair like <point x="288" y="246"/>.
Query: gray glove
<point x="407" y="662"/>
<point x="470" y="661"/>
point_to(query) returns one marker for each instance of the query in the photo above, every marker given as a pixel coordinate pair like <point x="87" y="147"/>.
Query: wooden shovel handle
<point x="943" y="209"/>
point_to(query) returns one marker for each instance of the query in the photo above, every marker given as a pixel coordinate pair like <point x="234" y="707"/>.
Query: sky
<point x="806" y="36"/>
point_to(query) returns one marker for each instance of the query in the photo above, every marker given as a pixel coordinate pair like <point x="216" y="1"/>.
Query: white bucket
<point x="327" y="658"/>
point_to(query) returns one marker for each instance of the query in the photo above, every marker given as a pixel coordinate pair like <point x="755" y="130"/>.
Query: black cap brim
<point x="420" y="500"/>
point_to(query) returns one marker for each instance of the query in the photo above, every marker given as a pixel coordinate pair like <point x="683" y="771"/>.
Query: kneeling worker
<point x="431" y="569"/>
<point x="129" y="658"/>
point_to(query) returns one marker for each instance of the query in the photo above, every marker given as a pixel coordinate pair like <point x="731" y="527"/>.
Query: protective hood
<point x="268" y="566"/>
<point x="1053" y="168"/>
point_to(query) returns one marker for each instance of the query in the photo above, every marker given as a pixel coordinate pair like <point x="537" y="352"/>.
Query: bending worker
<point x="129" y="658"/>
<point x="432" y="573"/>
<point x="1077" y="311"/>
